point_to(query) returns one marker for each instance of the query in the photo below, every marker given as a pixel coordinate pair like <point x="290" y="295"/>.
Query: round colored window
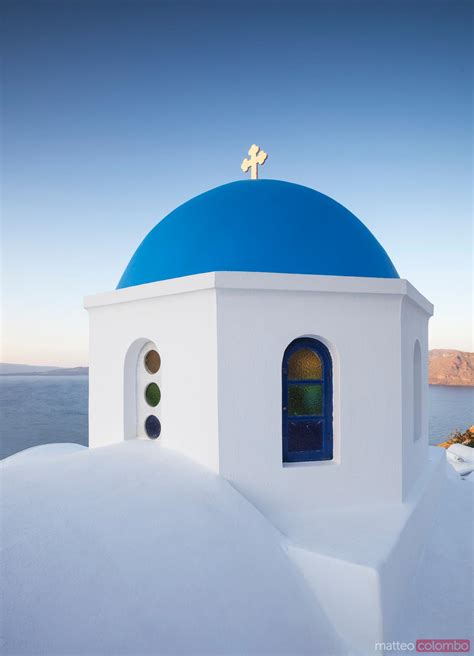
<point x="152" y="394"/>
<point x="152" y="362"/>
<point x="153" y="427"/>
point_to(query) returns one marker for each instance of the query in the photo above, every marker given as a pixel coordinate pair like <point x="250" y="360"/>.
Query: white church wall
<point x="362" y="332"/>
<point x="221" y="337"/>
<point x="360" y="322"/>
<point x="183" y="328"/>
<point x="415" y="438"/>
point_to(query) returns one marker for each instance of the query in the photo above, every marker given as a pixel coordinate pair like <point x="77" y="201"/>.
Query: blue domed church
<point x="259" y="479"/>
<point x="279" y="327"/>
<point x="261" y="330"/>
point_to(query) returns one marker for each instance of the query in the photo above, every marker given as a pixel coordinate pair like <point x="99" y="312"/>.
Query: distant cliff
<point x="448" y="367"/>
<point x="74" y="371"/>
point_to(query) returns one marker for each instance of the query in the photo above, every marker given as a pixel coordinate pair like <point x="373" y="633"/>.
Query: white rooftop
<point x="134" y="549"/>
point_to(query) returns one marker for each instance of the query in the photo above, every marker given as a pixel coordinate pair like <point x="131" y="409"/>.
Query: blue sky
<point x="116" y="112"/>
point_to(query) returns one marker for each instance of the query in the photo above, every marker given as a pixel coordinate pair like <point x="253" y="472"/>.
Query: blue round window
<point x="153" y="427"/>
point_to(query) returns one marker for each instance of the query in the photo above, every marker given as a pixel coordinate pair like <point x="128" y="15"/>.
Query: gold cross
<point x="254" y="161"/>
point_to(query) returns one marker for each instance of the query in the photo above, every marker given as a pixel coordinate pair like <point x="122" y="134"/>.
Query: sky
<point x="114" y="113"/>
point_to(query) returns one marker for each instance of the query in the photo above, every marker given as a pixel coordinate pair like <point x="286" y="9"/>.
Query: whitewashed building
<point x="259" y="479"/>
<point x="292" y="358"/>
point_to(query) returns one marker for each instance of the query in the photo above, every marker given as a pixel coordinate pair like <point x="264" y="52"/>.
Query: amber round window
<point x="153" y="427"/>
<point x="152" y="362"/>
<point x="152" y="394"/>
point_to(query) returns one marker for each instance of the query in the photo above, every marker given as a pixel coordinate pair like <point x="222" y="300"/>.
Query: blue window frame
<point x="307" y="401"/>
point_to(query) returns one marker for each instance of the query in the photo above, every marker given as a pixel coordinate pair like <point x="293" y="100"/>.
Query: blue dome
<point x="258" y="225"/>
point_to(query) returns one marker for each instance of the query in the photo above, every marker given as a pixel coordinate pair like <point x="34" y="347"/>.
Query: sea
<point x="37" y="410"/>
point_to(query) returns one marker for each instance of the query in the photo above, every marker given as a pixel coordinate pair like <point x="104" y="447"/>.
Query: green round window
<point x="152" y="361"/>
<point x="152" y="394"/>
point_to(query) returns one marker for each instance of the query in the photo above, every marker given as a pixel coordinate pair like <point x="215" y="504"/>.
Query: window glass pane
<point x="305" y="400"/>
<point x="306" y="435"/>
<point x="305" y="364"/>
<point x="152" y="362"/>
<point x="152" y="394"/>
<point x="152" y="427"/>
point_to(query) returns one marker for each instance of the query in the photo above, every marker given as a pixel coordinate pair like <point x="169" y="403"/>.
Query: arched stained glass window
<point x="307" y="401"/>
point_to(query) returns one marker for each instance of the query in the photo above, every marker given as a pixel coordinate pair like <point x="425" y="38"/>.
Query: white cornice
<point x="289" y="282"/>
